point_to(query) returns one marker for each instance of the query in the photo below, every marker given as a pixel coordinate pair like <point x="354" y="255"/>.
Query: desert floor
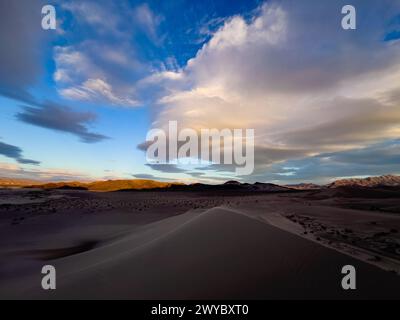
<point x="198" y="245"/>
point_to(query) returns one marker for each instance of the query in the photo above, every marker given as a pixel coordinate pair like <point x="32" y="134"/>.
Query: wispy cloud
<point x="144" y="176"/>
<point x="100" y="17"/>
<point x="50" y="174"/>
<point x="149" y="21"/>
<point x="166" y="168"/>
<point x="63" y="119"/>
<point x="15" y="152"/>
<point x="97" y="90"/>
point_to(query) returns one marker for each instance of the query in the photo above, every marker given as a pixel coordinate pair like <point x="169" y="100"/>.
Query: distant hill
<point x="232" y="186"/>
<point x="8" y="183"/>
<point x="304" y="186"/>
<point x="109" y="185"/>
<point x="127" y="185"/>
<point x="382" y="181"/>
<point x="259" y="186"/>
<point x="70" y="185"/>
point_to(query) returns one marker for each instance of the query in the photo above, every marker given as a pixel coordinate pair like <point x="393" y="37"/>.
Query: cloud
<point x="209" y="27"/>
<point x="208" y="179"/>
<point x="149" y="21"/>
<point x="50" y="174"/>
<point x="97" y="90"/>
<point x="14" y="152"/>
<point x="143" y="176"/>
<point x="82" y="74"/>
<point x="61" y="118"/>
<point x="374" y="160"/>
<point x="21" y="37"/>
<point x="293" y="74"/>
<point x="162" y="76"/>
<point x="147" y="176"/>
<point x="167" y="168"/>
<point x="196" y="174"/>
<point x="99" y="17"/>
<point x="347" y="122"/>
<point x="381" y="154"/>
<point x="106" y="67"/>
<point x="24" y="41"/>
<point x="72" y="64"/>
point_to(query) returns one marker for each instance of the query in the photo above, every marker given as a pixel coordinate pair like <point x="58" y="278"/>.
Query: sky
<point x="77" y="102"/>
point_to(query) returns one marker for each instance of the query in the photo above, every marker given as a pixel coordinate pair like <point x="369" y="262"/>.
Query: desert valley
<point x="144" y="239"/>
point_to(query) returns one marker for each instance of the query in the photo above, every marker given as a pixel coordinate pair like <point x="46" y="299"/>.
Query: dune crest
<point x="217" y="253"/>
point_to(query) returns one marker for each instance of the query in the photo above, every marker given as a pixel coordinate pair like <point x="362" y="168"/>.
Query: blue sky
<point x="76" y="102"/>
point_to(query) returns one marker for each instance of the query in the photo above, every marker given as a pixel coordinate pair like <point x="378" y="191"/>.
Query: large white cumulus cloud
<point x="292" y="73"/>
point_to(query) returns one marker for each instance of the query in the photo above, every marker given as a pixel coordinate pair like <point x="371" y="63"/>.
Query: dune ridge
<point x="218" y="253"/>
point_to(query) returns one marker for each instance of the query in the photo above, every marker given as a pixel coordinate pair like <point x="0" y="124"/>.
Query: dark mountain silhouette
<point x="304" y="186"/>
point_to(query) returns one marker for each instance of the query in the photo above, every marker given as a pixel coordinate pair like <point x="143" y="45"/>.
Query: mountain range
<point x="143" y="184"/>
<point x="370" y="182"/>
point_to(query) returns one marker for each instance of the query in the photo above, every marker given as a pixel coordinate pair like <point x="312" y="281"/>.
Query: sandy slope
<point x="217" y="253"/>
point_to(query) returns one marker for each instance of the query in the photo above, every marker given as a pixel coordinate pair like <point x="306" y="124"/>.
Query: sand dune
<point x="218" y="253"/>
